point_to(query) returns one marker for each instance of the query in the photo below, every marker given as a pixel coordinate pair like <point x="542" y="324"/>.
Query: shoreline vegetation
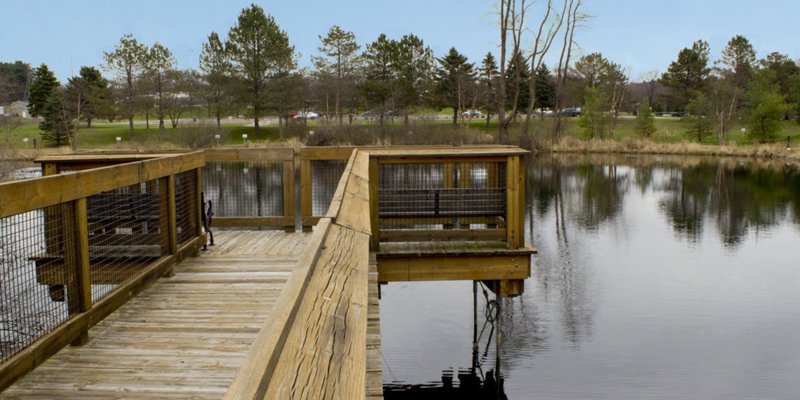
<point x="670" y="138"/>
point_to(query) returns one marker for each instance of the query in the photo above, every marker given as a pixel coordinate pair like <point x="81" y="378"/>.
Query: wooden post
<point x="465" y="181"/>
<point x="79" y="291"/>
<point x="448" y="183"/>
<point x="374" y="202"/>
<point x="171" y="222"/>
<point x="514" y="216"/>
<point x="492" y="179"/>
<point x="305" y="192"/>
<point x="196" y="212"/>
<point x="288" y="194"/>
<point x="49" y="169"/>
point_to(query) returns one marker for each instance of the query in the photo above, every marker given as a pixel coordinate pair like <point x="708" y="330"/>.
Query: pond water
<point x="656" y="278"/>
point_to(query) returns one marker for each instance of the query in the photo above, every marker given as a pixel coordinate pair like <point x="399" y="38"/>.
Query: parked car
<point x="570" y="112"/>
<point x="369" y="114"/>
<point x="472" y="114"/>
<point x="391" y="114"/>
<point x="306" y="115"/>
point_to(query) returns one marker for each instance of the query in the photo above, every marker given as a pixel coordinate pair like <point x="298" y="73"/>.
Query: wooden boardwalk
<point x="185" y="336"/>
<point x="264" y="314"/>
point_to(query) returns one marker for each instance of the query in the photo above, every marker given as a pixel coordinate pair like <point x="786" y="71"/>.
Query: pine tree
<point x="44" y="85"/>
<point x="260" y="51"/>
<point x="94" y="94"/>
<point x="545" y="88"/>
<point x="517" y="76"/>
<point x="217" y="69"/>
<point x="645" y="121"/>
<point x="339" y="62"/>
<point x="488" y="79"/>
<point x="767" y="107"/>
<point x="58" y="123"/>
<point x="453" y="77"/>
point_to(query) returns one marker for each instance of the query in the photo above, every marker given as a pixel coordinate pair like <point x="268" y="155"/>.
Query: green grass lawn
<point x="103" y="135"/>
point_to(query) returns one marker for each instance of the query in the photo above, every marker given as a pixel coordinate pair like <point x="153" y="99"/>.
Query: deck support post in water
<point x="498" y="340"/>
<point x="474" y="326"/>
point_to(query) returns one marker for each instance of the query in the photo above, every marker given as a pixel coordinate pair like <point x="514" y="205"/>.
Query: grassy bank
<point x="671" y="137"/>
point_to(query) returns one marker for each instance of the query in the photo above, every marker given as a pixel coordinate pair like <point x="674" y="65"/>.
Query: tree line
<point x="253" y="71"/>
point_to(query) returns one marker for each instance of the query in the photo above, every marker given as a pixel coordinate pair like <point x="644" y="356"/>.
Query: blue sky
<point x="642" y="35"/>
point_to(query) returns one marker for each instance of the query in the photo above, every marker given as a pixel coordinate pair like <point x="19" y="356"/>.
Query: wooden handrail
<point x="73" y="190"/>
<point x="21" y="196"/>
<point x="320" y="317"/>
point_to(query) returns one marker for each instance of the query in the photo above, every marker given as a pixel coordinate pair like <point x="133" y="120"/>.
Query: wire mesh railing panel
<point x="186" y="206"/>
<point x="442" y="196"/>
<point x="244" y="188"/>
<point x="325" y="176"/>
<point x="37" y="257"/>
<point x="127" y="231"/>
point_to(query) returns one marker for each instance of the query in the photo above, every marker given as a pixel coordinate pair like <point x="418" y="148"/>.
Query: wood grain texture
<point x="184" y="337"/>
<point x="31" y="194"/>
<point x="325" y="352"/>
<point x="374" y="389"/>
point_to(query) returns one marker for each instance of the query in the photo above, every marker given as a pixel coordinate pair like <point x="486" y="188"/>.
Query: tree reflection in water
<point x="587" y="192"/>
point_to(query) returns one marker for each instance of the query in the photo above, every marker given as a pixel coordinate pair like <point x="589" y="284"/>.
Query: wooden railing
<point x="313" y="342"/>
<point x="455" y="194"/>
<point x="91" y="240"/>
<point x="313" y="345"/>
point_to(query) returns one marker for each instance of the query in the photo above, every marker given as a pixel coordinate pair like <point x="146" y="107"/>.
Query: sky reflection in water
<point x="656" y="278"/>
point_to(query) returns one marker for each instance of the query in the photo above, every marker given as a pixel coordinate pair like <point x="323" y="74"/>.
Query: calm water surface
<point x="655" y="279"/>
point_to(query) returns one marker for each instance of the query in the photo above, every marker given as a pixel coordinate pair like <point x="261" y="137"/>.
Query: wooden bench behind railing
<point x="435" y="203"/>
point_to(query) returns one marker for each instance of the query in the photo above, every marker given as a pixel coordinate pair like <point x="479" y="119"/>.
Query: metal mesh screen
<point x="244" y="188"/>
<point x="186" y="206"/>
<point x="325" y="175"/>
<point x="437" y="196"/>
<point x="126" y="233"/>
<point x="35" y="258"/>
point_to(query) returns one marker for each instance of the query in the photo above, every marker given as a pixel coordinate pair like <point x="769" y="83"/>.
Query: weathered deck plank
<point x="374" y="358"/>
<point x="184" y="337"/>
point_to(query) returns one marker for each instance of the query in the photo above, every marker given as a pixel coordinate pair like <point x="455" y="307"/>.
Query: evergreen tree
<point x="545" y="88"/>
<point x="95" y="95"/>
<point x="740" y="57"/>
<point x="380" y="73"/>
<point x="766" y="107"/>
<point x="488" y="80"/>
<point x="517" y="77"/>
<point x="645" y="121"/>
<point x="217" y="69"/>
<point x="260" y="51"/>
<point x="339" y="62"/>
<point x="58" y="123"/>
<point x="687" y="75"/>
<point x="414" y="65"/>
<point x="700" y="116"/>
<point x="14" y="79"/>
<point x="594" y="116"/>
<point x="454" y="75"/>
<point x="44" y="85"/>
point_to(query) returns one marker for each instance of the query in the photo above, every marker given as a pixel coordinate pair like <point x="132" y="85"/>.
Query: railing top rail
<point x="22" y="196"/>
<point x="252" y="154"/>
<point x="100" y="157"/>
<point x="271" y="359"/>
<point x="450" y="152"/>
